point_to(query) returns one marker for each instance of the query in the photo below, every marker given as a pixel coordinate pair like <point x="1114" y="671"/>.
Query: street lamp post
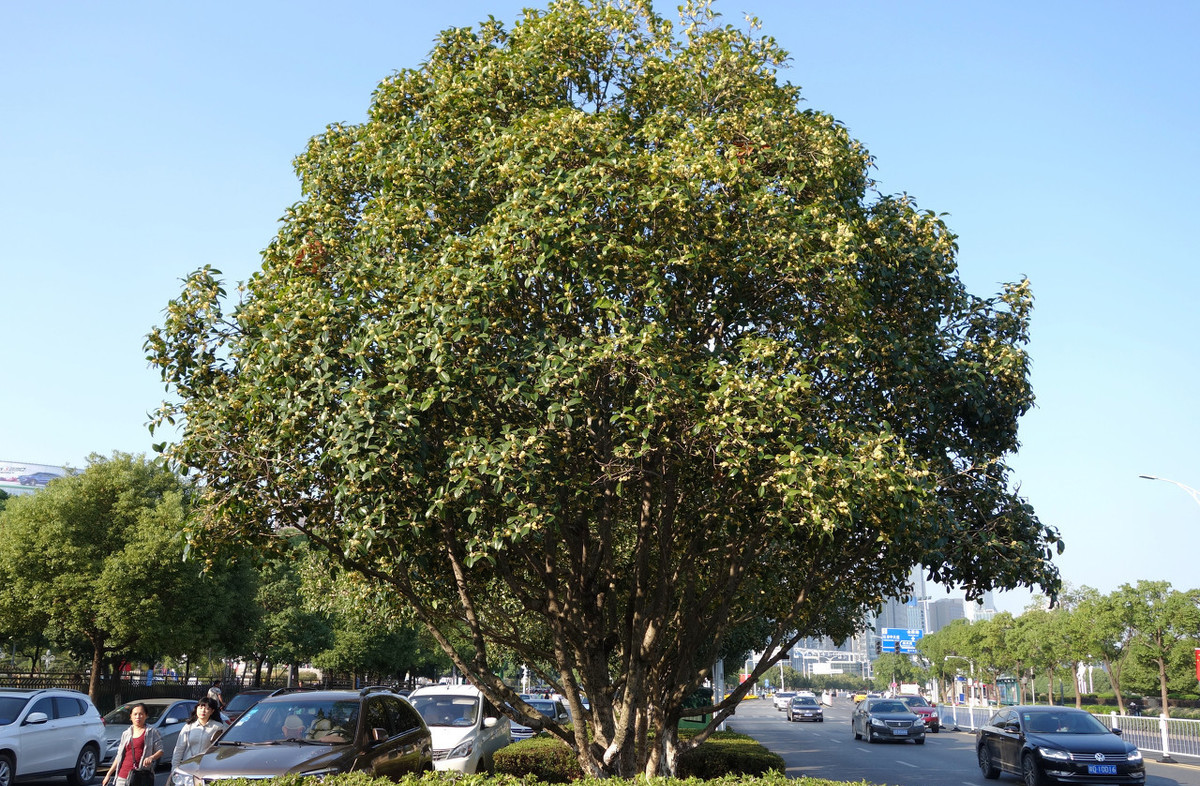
<point x="1193" y="492"/>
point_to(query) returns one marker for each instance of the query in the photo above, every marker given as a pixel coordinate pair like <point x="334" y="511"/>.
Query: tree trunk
<point x="1114" y="680"/>
<point x="1162" y="684"/>
<point x="94" y="679"/>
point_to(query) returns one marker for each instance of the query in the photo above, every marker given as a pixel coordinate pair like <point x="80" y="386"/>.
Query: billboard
<point x="21" y="477"/>
<point x="907" y="638"/>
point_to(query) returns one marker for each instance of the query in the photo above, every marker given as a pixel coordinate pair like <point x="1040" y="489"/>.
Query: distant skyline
<point x="140" y="141"/>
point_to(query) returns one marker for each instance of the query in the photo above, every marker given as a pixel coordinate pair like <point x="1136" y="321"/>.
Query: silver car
<point x="166" y="715"/>
<point x="552" y="709"/>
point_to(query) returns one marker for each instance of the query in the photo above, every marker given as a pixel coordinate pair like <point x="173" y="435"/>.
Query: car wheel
<point x="935" y="729"/>
<point x="920" y="741"/>
<point x="870" y="736"/>
<point x="986" y="765"/>
<point x="6" y="771"/>
<point x="1029" y="771"/>
<point x="857" y="736"/>
<point x="85" y="767"/>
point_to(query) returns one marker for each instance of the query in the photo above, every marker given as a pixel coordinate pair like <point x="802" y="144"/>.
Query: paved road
<point x="829" y="750"/>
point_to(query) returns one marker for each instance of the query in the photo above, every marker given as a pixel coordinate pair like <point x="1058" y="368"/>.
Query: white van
<point x="467" y="728"/>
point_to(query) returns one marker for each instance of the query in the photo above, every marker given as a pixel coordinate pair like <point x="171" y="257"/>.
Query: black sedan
<point x="1043" y="744"/>
<point x="886" y="719"/>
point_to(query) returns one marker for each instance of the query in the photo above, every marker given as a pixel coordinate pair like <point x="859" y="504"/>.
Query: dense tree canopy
<point x="95" y="562"/>
<point x="593" y="346"/>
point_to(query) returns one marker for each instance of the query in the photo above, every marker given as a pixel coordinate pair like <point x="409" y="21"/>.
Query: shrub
<point x="542" y="756"/>
<point x="725" y="753"/>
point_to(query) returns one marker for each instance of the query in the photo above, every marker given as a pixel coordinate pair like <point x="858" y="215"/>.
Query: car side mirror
<point x="1013" y="727"/>
<point x="35" y="718"/>
<point x="170" y="721"/>
<point x="1116" y="732"/>
<point x="378" y="735"/>
<point x="490" y="723"/>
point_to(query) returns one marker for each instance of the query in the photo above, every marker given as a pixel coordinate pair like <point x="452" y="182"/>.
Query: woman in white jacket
<point x="197" y="736"/>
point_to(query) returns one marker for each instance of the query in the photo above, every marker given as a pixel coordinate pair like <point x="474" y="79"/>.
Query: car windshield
<point x="10" y="708"/>
<point x="1060" y="722"/>
<point x="120" y="716"/>
<point x="242" y="701"/>
<point x="915" y="701"/>
<point x="805" y="700"/>
<point x="331" y="721"/>
<point x="888" y="706"/>
<point x="544" y="707"/>
<point x="445" y="710"/>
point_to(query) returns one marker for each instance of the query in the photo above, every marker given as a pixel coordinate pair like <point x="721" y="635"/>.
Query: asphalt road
<point x="829" y="750"/>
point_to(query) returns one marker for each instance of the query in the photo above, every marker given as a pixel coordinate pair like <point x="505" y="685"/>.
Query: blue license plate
<point x="901" y="732"/>
<point x="1102" y="769"/>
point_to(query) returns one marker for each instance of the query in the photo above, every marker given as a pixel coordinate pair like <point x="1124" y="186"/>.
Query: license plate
<point x="900" y="732"/>
<point x="1102" y="769"/>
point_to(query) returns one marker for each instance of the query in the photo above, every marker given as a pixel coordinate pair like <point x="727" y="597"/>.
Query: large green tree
<point x="1163" y="622"/>
<point x="593" y="345"/>
<point x="96" y="559"/>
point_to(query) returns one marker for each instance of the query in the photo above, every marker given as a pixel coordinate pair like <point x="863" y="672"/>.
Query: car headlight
<point x="184" y="779"/>
<point x="462" y="751"/>
<point x="321" y="773"/>
<point x="1055" y="754"/>
<point x="1134" y="755"/>
<point x="877" y="722"/>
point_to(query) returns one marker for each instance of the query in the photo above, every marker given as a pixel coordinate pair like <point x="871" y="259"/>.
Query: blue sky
<point x="139" y="141"/>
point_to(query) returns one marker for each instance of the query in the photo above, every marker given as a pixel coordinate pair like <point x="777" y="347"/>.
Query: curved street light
<point x="1193" y="492"/>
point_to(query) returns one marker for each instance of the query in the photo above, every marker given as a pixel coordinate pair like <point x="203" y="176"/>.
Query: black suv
<point x="317" y="733"/>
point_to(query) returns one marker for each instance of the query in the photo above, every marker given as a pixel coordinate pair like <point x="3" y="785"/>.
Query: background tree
<point x="944" y="650"/>
<point x="1109" y="639"/>
<point x="593" y="346"/>
<point x="896" y="669"/>
<point x="1163" y="621"/>
<point x="286" y="631"/>
<point x="97" y="559"/>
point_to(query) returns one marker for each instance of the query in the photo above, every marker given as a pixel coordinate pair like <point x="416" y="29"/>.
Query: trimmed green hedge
<point x="772" y="778"/>
<point x="725" y="753"/>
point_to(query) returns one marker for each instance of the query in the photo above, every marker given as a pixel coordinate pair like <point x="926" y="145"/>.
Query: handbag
<point x="140" y="777"/>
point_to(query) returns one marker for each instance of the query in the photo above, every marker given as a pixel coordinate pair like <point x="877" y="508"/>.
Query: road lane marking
<point x="906" y="764"/>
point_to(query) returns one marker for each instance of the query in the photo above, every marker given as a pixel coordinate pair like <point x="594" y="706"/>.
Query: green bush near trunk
<point x="725" y="753"/>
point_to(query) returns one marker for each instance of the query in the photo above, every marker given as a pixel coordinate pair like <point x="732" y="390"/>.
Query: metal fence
<point x="1172" y="738"/>
<point x="110" y="693"/>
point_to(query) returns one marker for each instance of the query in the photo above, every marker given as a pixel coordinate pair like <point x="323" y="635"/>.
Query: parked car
<point x="782" y="698"/>
<point x="166" y="715"/>
<point x="927" y="711"/>
<point x="805" y="708"/>
<point x="246" y="699"/>
<point x="859" y="696"/>
<point x="551" y="709"/>
<point x="467" y="729"/>
<point x="317" y="733"/>
<point x="887" y="719"/>
<point x="49" y="732"/>
<point x="1046" y="743"/>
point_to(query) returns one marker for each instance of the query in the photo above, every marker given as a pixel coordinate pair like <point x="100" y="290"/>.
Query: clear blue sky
<point x="139" y="141"/>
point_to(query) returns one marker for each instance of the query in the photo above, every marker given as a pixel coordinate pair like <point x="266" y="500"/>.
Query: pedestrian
<point x="199" y="732"/>
<point x="138" y="751"/>
<point x="214" y="693"/>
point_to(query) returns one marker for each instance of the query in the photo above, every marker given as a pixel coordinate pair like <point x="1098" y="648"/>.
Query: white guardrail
<point x="1166" y="736"/>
